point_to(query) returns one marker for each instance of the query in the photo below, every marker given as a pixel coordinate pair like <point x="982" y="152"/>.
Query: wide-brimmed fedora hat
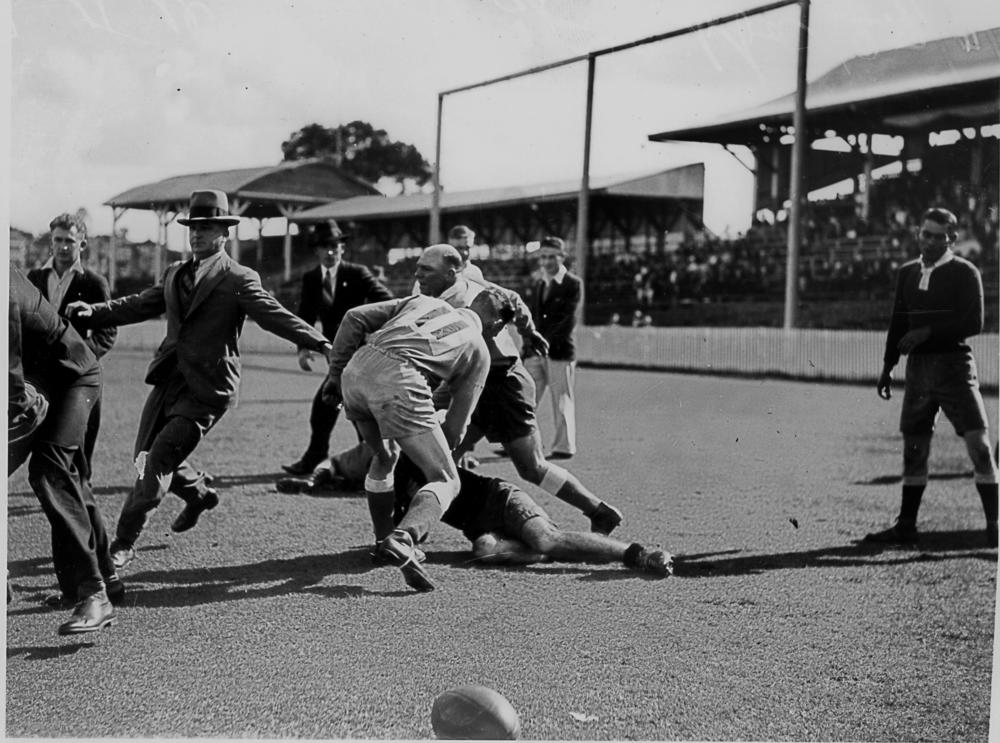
<point x="326" y="232"/>
<point x="209" y="206"/>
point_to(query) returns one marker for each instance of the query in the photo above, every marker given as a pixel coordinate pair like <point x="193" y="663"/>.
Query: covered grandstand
<point x="635" y="212"/>
<point x="260" y="193"/>
<point x="890" y="134"/>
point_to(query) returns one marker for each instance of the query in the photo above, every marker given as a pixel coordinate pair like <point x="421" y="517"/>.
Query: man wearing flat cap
<point x="196" y="371"/>
<point x="328" y="292"/>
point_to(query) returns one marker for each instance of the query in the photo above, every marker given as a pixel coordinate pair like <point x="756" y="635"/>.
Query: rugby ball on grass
<point x="474" y="713"/>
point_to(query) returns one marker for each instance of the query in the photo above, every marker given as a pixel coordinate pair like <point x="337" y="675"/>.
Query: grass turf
<point x="268" y="620"/>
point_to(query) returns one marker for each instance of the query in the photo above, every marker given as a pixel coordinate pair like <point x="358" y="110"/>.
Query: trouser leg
<point x="562" y="379"/>
<point x="322" y="419"/>
<point x="169" y="449"/>
<point x="188" y="483"/>
<point x="69" y="505"/>
<point x="90" y="438"/>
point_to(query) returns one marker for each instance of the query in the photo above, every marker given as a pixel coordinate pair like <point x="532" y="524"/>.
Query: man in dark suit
<point x="554" y="302"/>
<point x="196" y="371"/>
<point x="328" y="292"/>
<point x="64" y="279"/>
<point x="54" y="381"/>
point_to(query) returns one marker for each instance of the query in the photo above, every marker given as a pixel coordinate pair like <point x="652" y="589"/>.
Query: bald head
<point x="437" y="269"/>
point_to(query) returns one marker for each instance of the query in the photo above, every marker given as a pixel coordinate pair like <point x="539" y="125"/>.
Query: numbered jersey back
<point x="430" y="333"/>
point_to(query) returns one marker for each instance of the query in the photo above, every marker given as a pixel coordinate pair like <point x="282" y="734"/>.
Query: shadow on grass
<point x="894" y="479"/>
<point x="932" y="547"/>
<point x="587" y="571"/>
<point x="41" y="652"/>
<point x="270" y="578"/>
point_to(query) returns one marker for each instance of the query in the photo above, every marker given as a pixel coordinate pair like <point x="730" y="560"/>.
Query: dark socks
<point x="988" y="495"/>
<point x="910" y="504"/>
<point x="632" y="554"/>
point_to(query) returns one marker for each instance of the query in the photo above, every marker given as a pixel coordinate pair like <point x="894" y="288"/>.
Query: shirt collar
<point x="558" y="278"/>
<point x="77" y="267"/>
<point x="945" y="257"/>
<point x="204" y="263"/>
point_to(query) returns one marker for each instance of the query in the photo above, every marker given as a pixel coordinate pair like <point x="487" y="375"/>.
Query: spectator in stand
<point x="64" y="279"/>
<point x="328" y="291"/>
<point x="938" y="305"/>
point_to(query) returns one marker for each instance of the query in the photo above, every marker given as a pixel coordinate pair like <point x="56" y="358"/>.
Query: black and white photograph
<point x="584" y="370"/>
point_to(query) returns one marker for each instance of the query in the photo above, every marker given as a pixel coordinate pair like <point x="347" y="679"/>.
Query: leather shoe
<point x="303" y="466"/>
<point x="188" y="518"/>
<point x="92" y="614"/>
<point x="113" y="587"/>
<point x="121" y="554"/>
<point x="294" y="485"/>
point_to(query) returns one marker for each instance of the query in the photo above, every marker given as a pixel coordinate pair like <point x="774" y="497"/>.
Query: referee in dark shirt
<point x="938" y="305"/>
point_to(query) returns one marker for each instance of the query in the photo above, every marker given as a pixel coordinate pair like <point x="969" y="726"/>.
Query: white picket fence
<point x="836" y="355"/>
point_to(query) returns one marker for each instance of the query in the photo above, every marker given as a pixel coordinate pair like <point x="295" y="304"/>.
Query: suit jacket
<point x="42" y="345"/>
<point x="555" y="316"/>
<point x="89" y="287"/>
<point x="202" y="341"/>
<point x="355" y="286"/>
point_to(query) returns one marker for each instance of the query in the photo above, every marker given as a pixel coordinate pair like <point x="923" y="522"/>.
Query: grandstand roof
<point x="686" y="182"/>
<point x="299" y="184"/>
<point x="942" y="84"/>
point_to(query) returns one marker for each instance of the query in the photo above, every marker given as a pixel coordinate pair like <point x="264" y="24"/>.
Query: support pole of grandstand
<point x="797" y="190"/>
<point x="583" y="213"/>
<point x="434" y="233"/>
<point x="116" y="213"/>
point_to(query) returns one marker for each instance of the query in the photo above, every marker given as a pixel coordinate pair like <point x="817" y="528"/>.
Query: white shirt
<point x="204" y="264"/>
<point x="558" y="278"/>
<point x="57" y="285"/>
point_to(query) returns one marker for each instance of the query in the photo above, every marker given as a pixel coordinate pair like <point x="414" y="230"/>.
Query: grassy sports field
<point x="268" y="620"/>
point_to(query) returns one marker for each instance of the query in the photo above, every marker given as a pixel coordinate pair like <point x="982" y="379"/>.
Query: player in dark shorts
<point x="938" y="305"/>
<point x="505" y="525"/>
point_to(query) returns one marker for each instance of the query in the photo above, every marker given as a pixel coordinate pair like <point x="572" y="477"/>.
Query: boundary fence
<point x="853" y="356"/>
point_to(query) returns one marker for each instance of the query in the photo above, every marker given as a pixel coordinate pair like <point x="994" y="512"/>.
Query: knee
<point x="541" y="536"/>
<point x="916" y="452"/>
<point x="530" y="468"/>
<point x="486" y="546"/>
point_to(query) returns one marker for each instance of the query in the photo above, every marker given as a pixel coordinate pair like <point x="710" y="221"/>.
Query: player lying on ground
<point x="505" y="525"/>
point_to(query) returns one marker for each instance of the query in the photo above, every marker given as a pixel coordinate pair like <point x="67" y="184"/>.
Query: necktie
<point x="186" y="278"/>
<point x="328" y="286"/>
<point x="546" y="290"/>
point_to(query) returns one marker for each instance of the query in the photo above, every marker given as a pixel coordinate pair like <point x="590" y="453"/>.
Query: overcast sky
<point x="111" y="94"/>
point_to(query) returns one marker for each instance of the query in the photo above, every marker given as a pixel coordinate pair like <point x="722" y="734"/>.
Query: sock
<point x="632" y="554"/>
<point x="988" y="495"/>
<point x="910" y="504"/>
<point x="380" y="506"/>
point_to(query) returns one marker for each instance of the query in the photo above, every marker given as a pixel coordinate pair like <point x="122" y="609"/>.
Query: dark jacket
<point x="42" y="345"/>
<point x="355" y="286"/>
<point x="202" y="339"/>
<point x="555" y="317"/>
<point x="89" y="287"/>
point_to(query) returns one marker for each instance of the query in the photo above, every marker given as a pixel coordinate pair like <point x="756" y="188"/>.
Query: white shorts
<point x="391" y="392"/>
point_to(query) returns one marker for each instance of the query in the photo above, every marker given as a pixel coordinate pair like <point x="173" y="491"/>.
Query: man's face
<point x="330" y="255"/>
<point x="66" y="246"/>
<point x="463" y="245"/>
<point x="550" y="259"/>
<point x="934" y="240"/>
<point x="434" y="275"/>
<point x="207" y="238"/>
